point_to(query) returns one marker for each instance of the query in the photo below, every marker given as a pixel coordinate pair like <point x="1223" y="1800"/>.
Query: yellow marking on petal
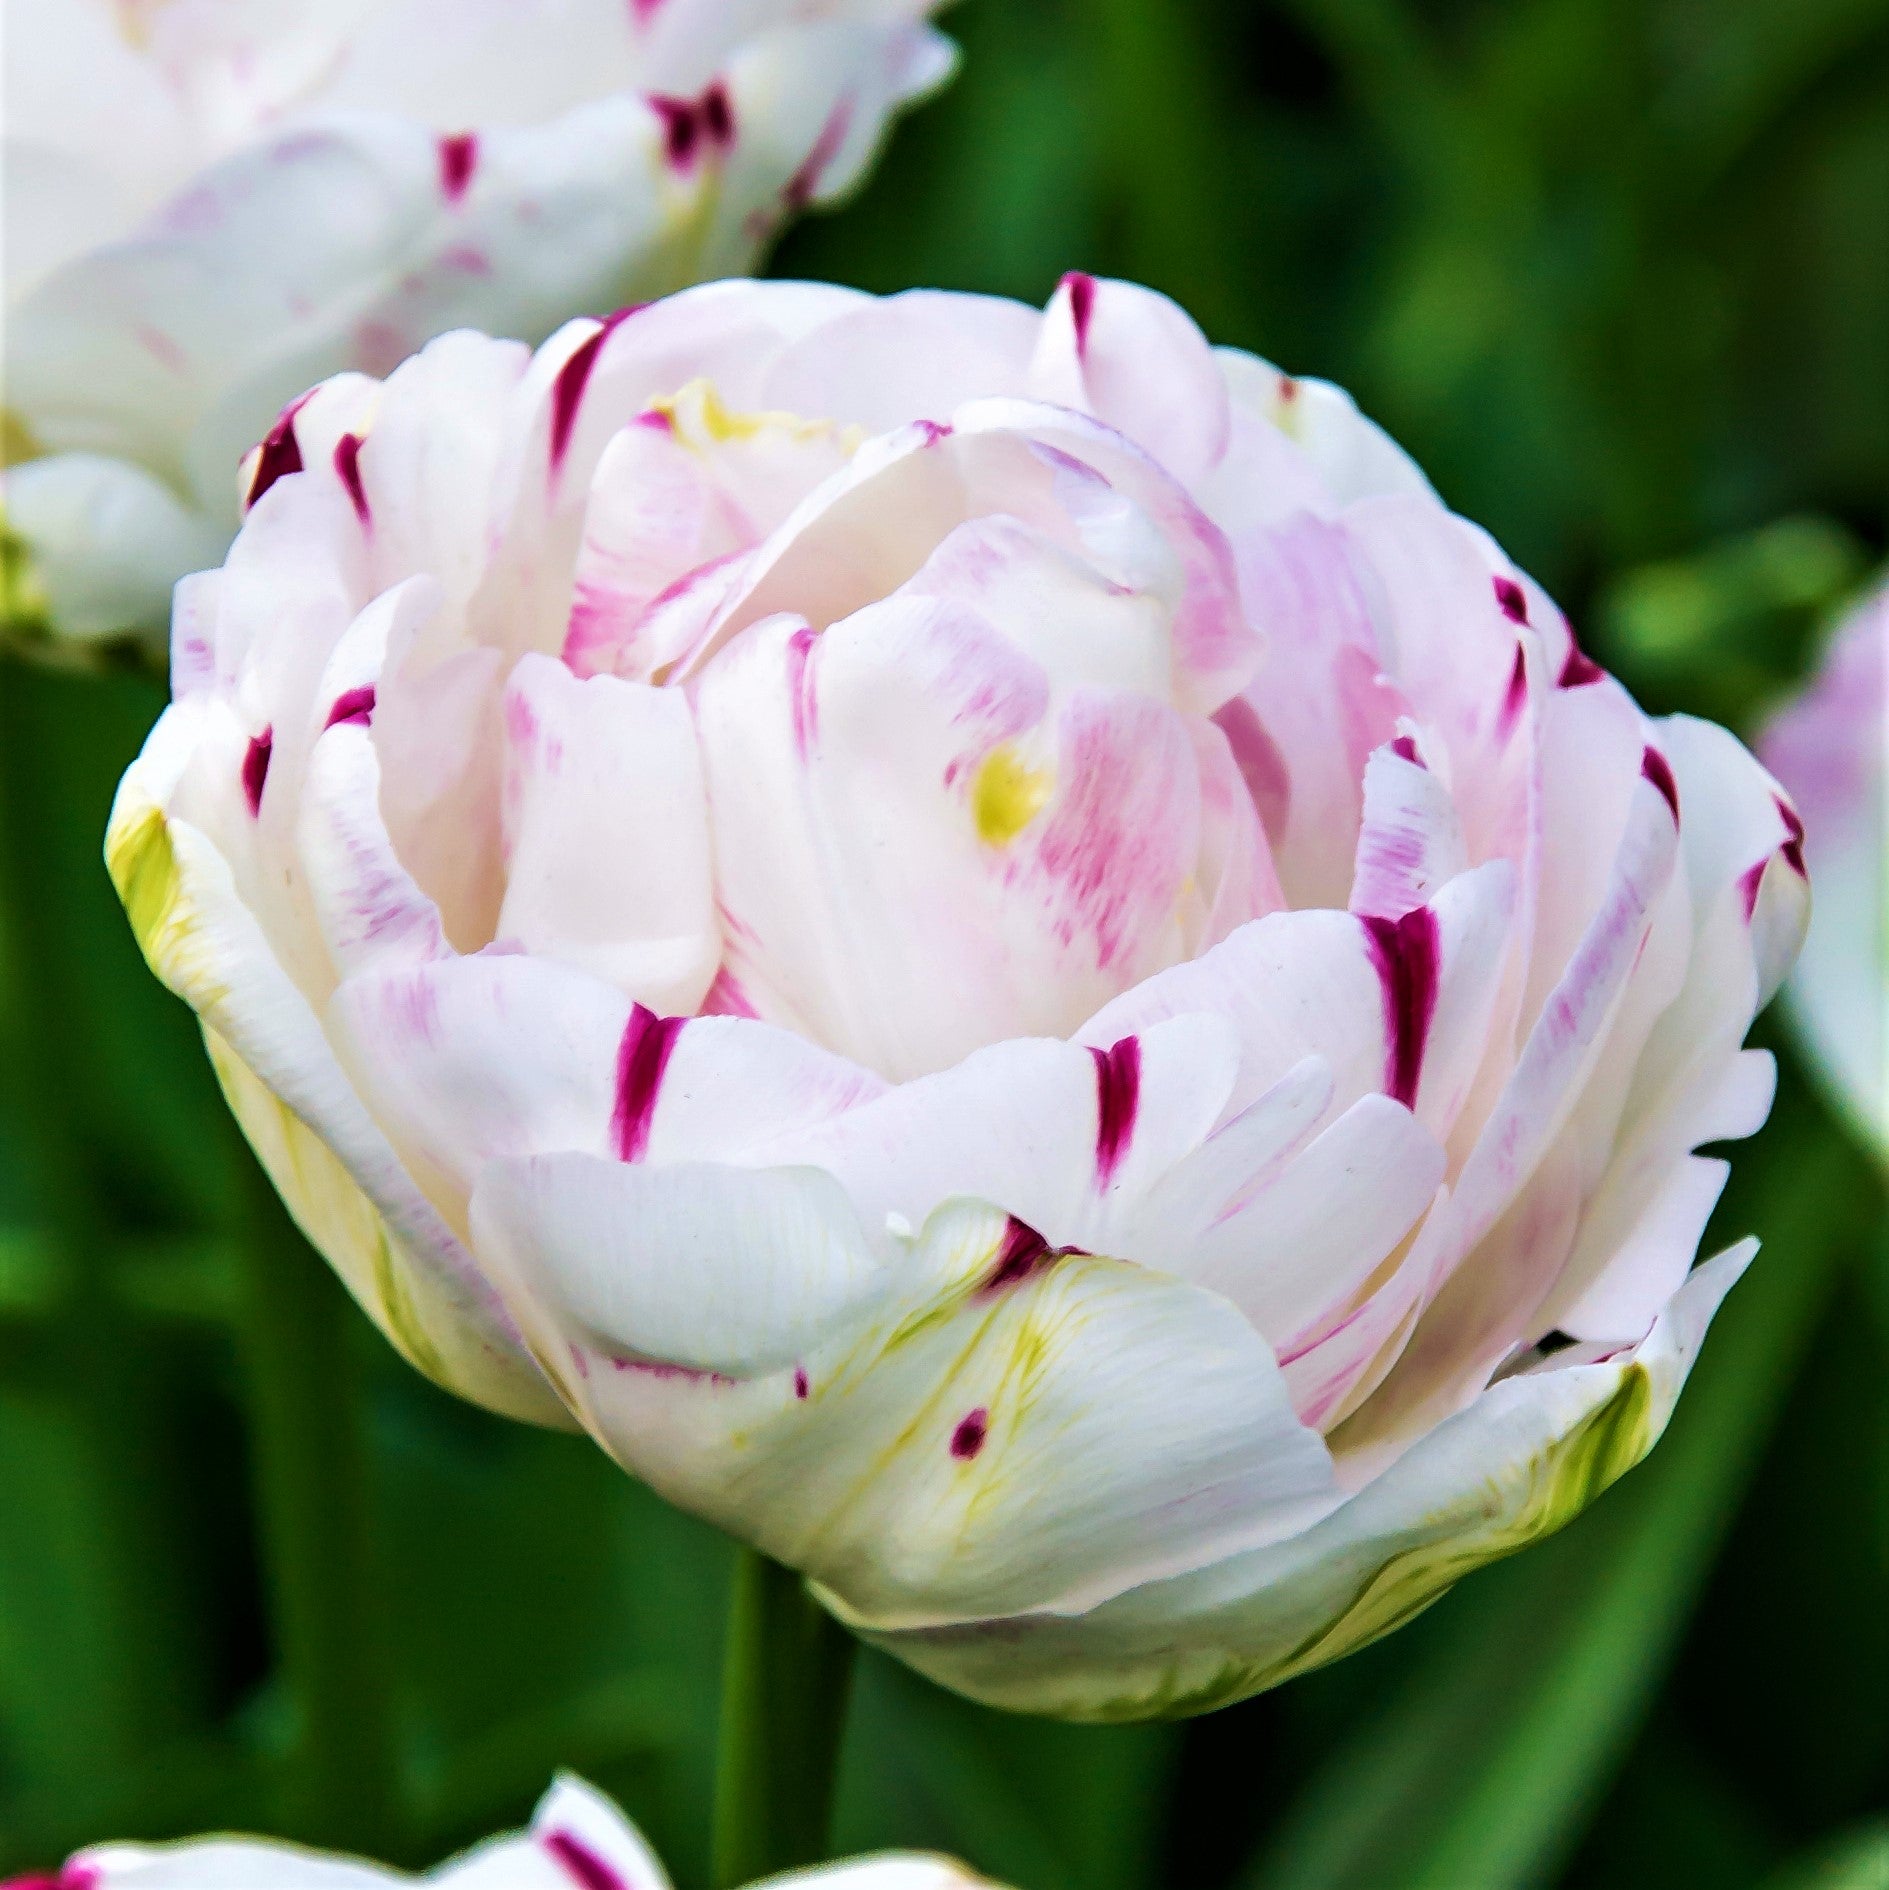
<point x="699" y="418"/>
<point x="141" y="858"/>
<point x="1007" y="794"/>
<point x="23" y="616"/>
<point x="18" y="441"/>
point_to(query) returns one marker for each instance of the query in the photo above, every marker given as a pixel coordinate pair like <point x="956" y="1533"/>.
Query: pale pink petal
<point x="608" y="767"/>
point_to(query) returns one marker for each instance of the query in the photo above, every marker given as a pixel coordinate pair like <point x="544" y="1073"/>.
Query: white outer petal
<point x="396" y="1255"/>
<point x="107" y="541"/>
<point x="1520" y="1461"/>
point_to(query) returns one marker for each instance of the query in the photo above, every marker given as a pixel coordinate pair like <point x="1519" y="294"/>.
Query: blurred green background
<point x="1617" y="272"/>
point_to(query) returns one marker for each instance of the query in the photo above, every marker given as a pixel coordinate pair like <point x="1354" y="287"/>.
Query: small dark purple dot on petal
<point x="801" y="1386"/>
<point x="968" y="1439"/>
<point x="1510" y="596"/>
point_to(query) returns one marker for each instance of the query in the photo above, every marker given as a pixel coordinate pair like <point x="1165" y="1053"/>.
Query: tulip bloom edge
<point x="798" y="924"/>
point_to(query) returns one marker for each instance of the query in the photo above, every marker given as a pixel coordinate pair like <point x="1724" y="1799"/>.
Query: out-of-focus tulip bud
<point x="210" y="207"/>
<point x="1829" y="747"/>
<point x="987" y="942"/>
<point x="578" y="1840"/>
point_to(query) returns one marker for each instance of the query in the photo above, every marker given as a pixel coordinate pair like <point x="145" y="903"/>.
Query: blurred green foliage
<point x="1616" y="272"/>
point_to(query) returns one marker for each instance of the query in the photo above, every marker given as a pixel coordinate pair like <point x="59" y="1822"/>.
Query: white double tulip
<point x="989" y="943"/>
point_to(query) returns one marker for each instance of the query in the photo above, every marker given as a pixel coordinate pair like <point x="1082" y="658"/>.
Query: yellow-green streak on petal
<point x="341" y="1224"/>
<point x="698" y="417"/>
<point x="1006" y="795"/>
<point x="1603" y="1447"/>
<point x="18" y="442"/>
<point x="142" y="861"/>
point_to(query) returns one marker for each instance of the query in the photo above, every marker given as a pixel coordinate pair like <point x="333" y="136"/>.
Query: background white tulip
<point x="211" y="204"/>
<point x="578" y="1840"/>
<point x="1830" y="747"/>
<point x="987" y="942"/>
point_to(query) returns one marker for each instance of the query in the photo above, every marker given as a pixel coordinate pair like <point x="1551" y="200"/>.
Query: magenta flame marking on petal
<point x="1579" y="670"/>
<point x="801" y="1386"/>
<point x="679" y="128"/>
<point x="1406" y="953"/>
<point x="968" y="1439"/>
<point x="801" y="694"/>
<point x="162" y="348"/>
<point x="668" y="1369"/>
<point x="1406" y="749"/>
<point x="348" y="465"/>
<point x="1515" y="697"/>
<point x="581" y="1864"/>
<point x="281" y="452"/>
<point x="1654" y="767"/>
<point x="1117" y="1095"/>
<point x="1019" y="1256"/>
<point x="458" y="159"/>
<point x="1081" y="305"/>
<point x="1512" y="600"/>
<point x="642" y="1056"/>
<point x="1261" y="764"/>
<point x="352" y="705"/>
<point x="1793" y="847"/>
<point x="579" y="1360"/>
<point x="726" y="998"/>
<point x="717" y="114"/>
<point x="41" y="1880"/>
<point x="1749" y="882"/>
<point x="256" y="768"/>
<point x="567" y="392"/>
<point x="799" y="189"/>
<point x="643" y="11"/>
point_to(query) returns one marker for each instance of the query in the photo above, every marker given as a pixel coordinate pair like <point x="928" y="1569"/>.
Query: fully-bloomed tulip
<point x="1831" y="749"/>
<point x="211" y="206"/>
<point x="578" y="1840"/>
<point x="989" y="943"/>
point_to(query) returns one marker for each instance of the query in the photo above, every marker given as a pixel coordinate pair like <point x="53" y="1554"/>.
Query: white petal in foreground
<point x="577" y="1837"/>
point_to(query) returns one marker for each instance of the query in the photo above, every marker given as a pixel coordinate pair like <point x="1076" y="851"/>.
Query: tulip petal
<point x="611" y="766"/>
<point x="1039" y="857"/>
<point x="331" y="1162"/>
<point x="107" y="540"/>
<point x="471" y="1059"/>
<point x="933" y="1412"/>
<point x="1522" y="1460"/>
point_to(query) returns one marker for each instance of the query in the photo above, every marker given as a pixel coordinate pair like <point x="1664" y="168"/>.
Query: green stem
<point x="310" y="1467"/>
<point x="785" y="1680"/>
<point x="115" y="1638"/>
